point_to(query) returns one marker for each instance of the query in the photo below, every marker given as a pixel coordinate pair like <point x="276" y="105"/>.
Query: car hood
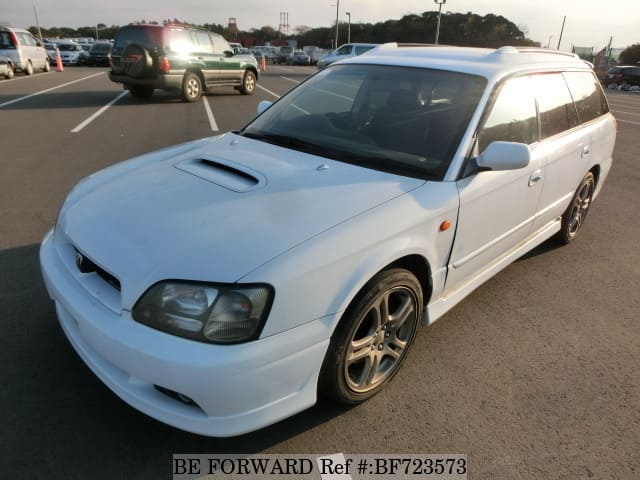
<point x="216" y="212"/>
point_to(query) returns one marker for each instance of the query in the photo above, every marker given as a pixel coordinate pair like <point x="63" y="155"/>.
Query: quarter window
<point x="557" y="112"/>
<point x="588" y="96"/>
<point x="513" y="115"/>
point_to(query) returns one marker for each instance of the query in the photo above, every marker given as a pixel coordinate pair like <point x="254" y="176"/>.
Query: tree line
<point x="465" y="29"/>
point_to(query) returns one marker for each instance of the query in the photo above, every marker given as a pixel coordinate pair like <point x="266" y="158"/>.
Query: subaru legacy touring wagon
<point x="223" y="284"/>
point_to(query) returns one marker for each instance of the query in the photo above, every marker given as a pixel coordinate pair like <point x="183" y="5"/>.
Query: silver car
<point x="25" y="51"/>
<point x="345" y="51"/>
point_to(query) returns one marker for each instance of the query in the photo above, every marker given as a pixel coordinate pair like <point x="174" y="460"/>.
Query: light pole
<point x="349" y="30"/>
<point x="337" y="20"/>
<point x="549" y="42"/>
<point x="439" y="2"/>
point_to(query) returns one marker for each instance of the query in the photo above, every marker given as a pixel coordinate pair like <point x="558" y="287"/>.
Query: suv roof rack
<point x="511" y="49"/>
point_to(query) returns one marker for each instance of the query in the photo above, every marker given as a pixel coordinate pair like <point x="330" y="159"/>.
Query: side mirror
<point x="504" y="156"/>
<point x="263" y="105"/>
<point x="228" y="53"/>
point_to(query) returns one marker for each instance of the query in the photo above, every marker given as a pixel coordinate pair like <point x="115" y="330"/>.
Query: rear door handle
<point x="535" y="178"/>
<point x="586" y="150"/>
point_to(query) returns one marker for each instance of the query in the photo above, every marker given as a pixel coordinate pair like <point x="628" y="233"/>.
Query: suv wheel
<point x="191" y="87"/>
<point x="9" y="73"/>
<point x="46" y="66"/>
<point x="141" y="92"/>
<point x="29" y="69"/>
<point x="248" y="83"/>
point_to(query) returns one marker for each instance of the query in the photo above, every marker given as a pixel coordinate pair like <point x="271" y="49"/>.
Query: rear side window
<point x="587" y="95"/>
<point x="557" y="112"/>
<point x="513" y="115"/>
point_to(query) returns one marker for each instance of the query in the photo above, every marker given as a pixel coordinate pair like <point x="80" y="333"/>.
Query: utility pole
<point x="440" y="3"/>
<point x="349" y="30"/>
<point x="35" y="12"/>
<point x="561" y="30"/>
<point x="337" y="20"/>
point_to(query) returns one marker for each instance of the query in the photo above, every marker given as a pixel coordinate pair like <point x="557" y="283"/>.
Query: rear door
<point x="204" y="55"/>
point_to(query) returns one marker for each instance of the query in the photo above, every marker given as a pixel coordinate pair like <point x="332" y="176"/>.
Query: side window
<point x="344" y="50"/>
<point x="203" y="42"/>
<point x="557" y="111"/>
<point x="361" y="49"/>
<point x="24" y="39"/>
<point x="512" y="117"/>
<point x="587" y="95"/>
<point x="219" y="45"/>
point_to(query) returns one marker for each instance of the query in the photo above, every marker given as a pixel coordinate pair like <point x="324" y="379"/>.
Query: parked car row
<point x="622" y="76"/>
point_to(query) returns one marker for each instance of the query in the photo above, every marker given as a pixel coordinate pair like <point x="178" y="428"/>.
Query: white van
<point x="25" y="51"/>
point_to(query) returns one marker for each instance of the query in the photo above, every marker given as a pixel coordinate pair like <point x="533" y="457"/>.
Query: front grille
<point x="86" y="265"/>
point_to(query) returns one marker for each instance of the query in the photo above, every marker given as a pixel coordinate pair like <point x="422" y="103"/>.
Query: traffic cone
<point x="263" y="64"/>
<point x="59" y="67"/>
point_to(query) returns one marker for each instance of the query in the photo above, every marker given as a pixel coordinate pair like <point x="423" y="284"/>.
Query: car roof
<point x="489" y="63"/>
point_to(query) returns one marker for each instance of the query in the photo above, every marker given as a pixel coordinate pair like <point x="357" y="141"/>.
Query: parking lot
<point x="534" y="375"/>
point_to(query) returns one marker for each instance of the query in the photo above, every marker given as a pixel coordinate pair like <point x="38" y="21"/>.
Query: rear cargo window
<point x="6" y="42"/>
<point x="148" y="37"/>
<point x="587" y="95"/>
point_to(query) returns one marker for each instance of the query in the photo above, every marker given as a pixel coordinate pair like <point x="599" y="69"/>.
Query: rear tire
<point x="576" y="213"/>
<point x="9" y="73"/>
<point x="191" y="87"/>
<point x="141" y="92"/>
<point x="248" y="83"/>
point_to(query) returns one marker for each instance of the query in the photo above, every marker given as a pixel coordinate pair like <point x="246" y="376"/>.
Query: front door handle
<point x="535" y="178"/>
<point x="586" y="150"/>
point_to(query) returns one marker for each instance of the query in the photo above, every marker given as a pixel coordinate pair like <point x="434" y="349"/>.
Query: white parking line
<point x="627" y="113"/>
<point x="16" y="100"/>
<point x="14" y="79"/>
<point x="268" y="91"/>
<point x="627" y="121"/>
<point x="98" y="113"/>
<point x="212" y="120"/>
<point x="290" y="79"/>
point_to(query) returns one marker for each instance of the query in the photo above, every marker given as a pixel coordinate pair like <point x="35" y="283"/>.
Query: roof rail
<point x="511" y="49"/>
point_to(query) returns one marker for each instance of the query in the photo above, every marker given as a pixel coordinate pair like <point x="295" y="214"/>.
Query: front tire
<point x="248" y="83"/>
<point x="576" y="213"/>
<point x="9" y="73"/>
<point x="373" y="337"/>
<point x="29" y="69"/>
<point x="46" y="67"/>
<point x="191" y="87"/>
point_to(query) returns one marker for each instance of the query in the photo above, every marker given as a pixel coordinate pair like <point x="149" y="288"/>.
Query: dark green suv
<point x="178" y="58"/>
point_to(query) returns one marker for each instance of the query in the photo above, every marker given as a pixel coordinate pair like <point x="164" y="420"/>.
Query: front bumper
<point x="237" y="388"/>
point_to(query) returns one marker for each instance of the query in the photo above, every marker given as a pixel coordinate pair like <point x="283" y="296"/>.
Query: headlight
<point x="206" y="312"/>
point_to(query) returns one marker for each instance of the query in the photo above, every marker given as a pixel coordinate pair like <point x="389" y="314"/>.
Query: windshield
<point x="397" y="119"/>
<point x="67" y="47"/>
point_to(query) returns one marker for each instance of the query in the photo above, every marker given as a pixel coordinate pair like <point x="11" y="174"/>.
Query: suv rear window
<point x="149" y="37"/>
<point x="588" y="97"/>
<point x="6" y="42"/>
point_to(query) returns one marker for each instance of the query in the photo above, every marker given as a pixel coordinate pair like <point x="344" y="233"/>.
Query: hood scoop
<point x="229" y="175"/>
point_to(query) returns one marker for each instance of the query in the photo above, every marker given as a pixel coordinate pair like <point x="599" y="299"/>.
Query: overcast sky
<point x="589" y="22"/>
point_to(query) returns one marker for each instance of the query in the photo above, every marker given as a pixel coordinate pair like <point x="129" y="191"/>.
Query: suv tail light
<point x="165" y="66"/>
<point x="14" y="39"/>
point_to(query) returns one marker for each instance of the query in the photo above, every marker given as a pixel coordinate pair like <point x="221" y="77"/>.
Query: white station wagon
<point x="221" y="285"/>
